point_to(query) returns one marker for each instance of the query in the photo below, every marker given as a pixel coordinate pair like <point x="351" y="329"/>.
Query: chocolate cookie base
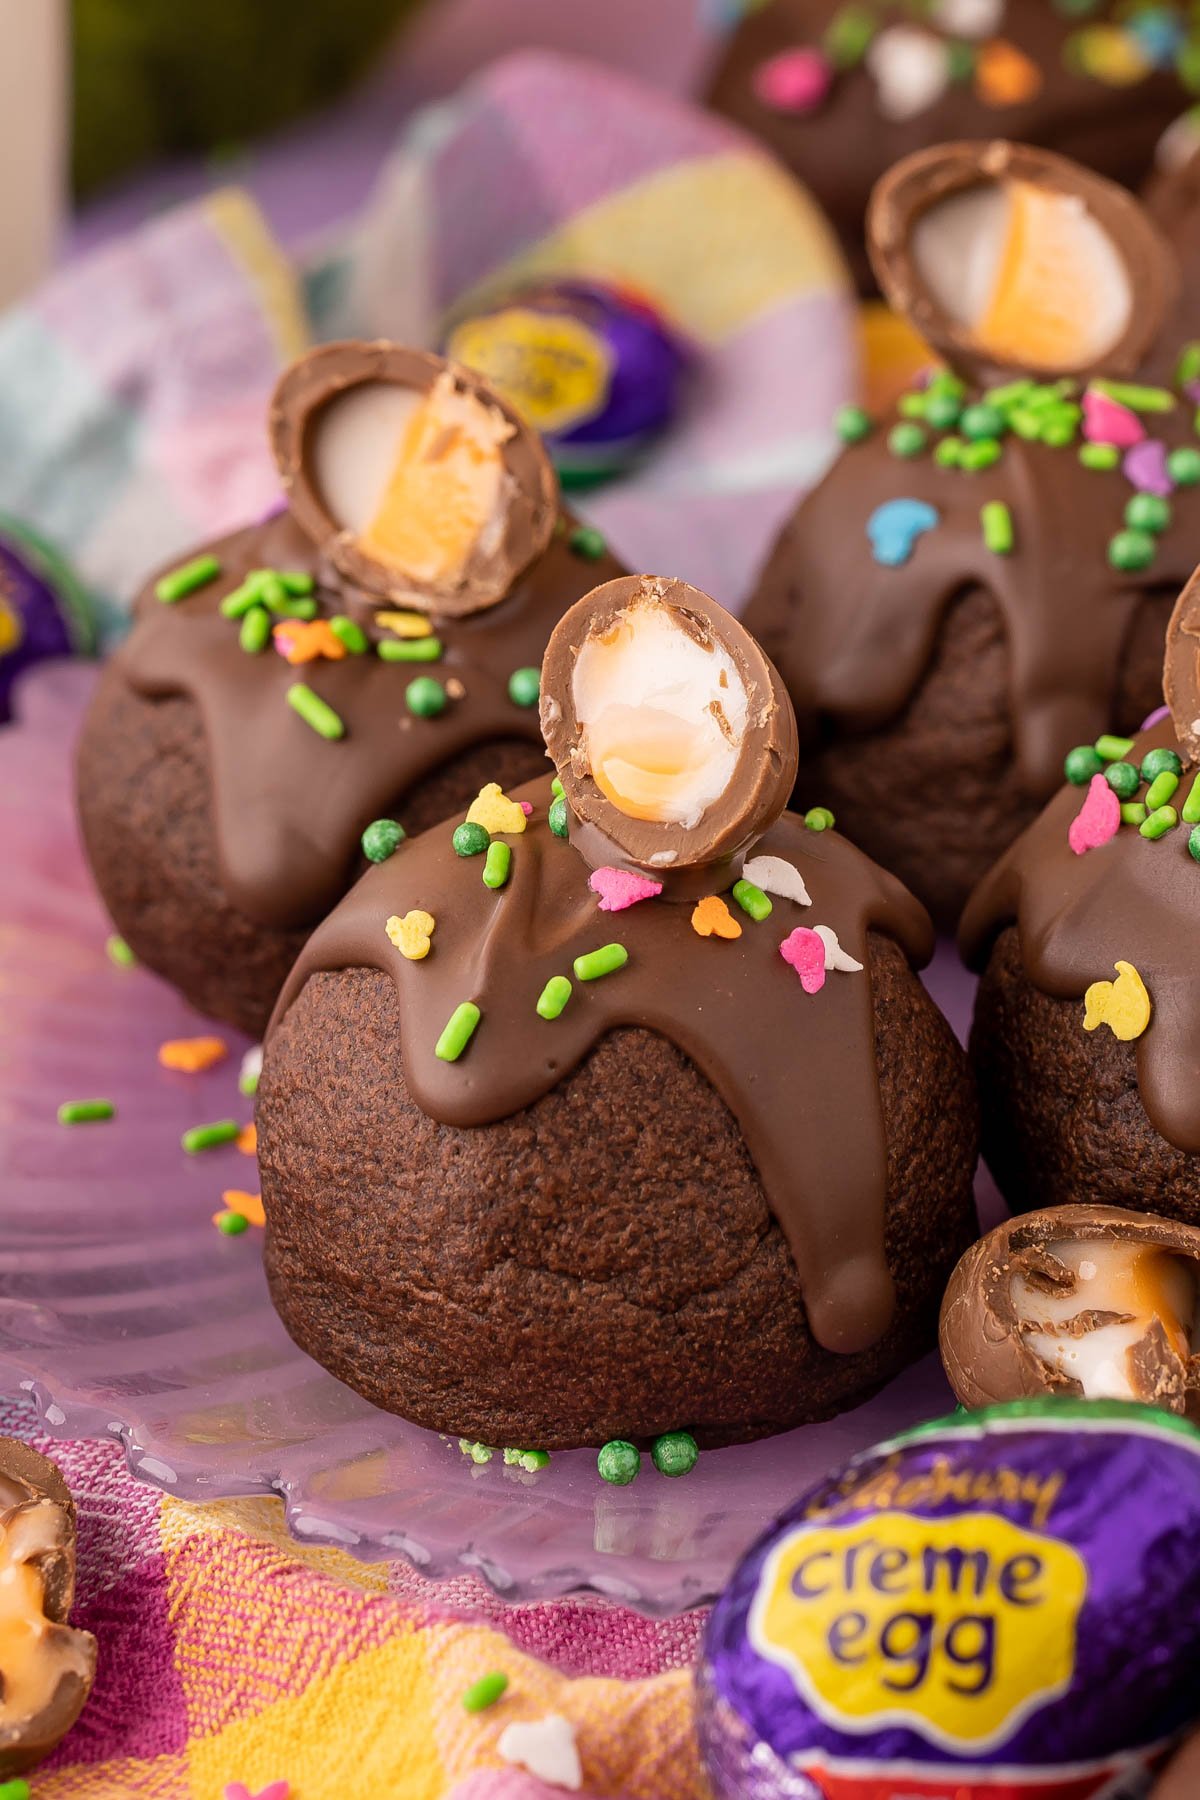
<point x="146" y="813"/>
<point x="602" y="1264"/>
<point x="1063" y="1120"/>
<point x="935" y="795"/>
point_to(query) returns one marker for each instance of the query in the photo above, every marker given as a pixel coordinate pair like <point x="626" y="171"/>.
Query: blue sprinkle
<point x="1159" y="33"/>
<point x="894" y="528"/>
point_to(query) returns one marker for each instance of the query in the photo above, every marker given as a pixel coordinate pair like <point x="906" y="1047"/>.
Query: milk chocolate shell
<point x="982" y="581"/>
<point x="1091" y="1301"/>
<point x="221" y="822"/>
<point x="46" y="1668"/>
<point x="555" y="1152"/>
<point x="840" y="93"/>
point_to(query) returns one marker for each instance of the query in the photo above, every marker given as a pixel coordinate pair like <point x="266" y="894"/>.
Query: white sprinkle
<point x="911" y="70"/>
<point x="969" y="18"/>
<point x="835" y="956"/>
<point x="1087" y="1270"/>
<point x="547" y="1748"/>
<point x="774" y="876"/>
<point x="250" y="1070"/>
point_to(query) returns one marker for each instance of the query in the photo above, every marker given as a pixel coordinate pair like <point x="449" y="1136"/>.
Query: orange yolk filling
<point x="641" y="757"/>
<point x="1043" y="308"/>
<point x="443" y="490"/>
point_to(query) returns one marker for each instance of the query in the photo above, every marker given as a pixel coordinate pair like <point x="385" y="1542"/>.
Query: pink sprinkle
<point x="282" y="638"/>
<point x="526" y="807"/>
<point x="795" y="81"/>
<point x="275" y="1790"/>
<point x="1145" y="466"/>
<point x="1106" y="421"/>
<point x="1098" y="819"/>
<point x="806" y="953"/>
<point x="619" y="888"/>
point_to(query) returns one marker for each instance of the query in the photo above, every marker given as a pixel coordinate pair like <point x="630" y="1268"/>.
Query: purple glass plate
<point x="124" y="1313"/>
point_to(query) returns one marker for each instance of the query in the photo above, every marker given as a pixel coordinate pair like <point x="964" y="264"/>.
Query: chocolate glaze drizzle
<point x="798" y="1071"/>
<point x="1131" y="900"/>
<point x="289" y="806"/>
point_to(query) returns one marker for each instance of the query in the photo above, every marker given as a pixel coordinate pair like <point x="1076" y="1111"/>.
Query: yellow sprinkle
<point x="191" y="1055"/>
<point x="493" y="809"/>
<point x="1123" y="1005"/>
<point x="405" y="624"/>
<point x="411" y="934"/>
<point x="249" y="1205"/>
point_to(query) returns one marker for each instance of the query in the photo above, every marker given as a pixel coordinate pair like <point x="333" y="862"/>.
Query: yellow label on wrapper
<point x="957" y="1628"/>
<point x="550" y="366"/>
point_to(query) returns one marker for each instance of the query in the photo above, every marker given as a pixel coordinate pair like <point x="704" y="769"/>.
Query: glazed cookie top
<point x="390" y="618"/>
<point x="1067" y="493"/>
<point x="519" y="938"/>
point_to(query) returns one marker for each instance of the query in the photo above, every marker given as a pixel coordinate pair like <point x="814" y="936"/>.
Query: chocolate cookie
<point x="981" y="582"/>
<point x="538" y="1176"/>
<point x="839" y="92"/>
<point x="370" y="651"/>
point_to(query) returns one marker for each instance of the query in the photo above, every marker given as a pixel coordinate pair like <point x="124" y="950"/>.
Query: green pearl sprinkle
<point x="1123" y="779"/>
<point x="1159" y="822"/>
<point x="1100" y="456"/>
<point x="587" y="542"/>
<point x="529" y="1460"/>
<point x="118" y="951"/>
<point x="1148" y="512"/>
<point x="255" y="632"/>
<point x="1133" y="813"/>
<point x="315" y="712"/>
<point x="618" y="1463"/>
<point x="996" y="521"/>
<point x="208" y="1137"/>
<point x="232" y="1223"/>
<point x="178" y="583"/>
<point x="942" y="411"/>
<point x="556" y="818"/>
<point x="524" y="686"/>
<point x="980" y="455"/>
<point x="85" y="1112"/>
<point x="381" y="839"/>
<point x="409" y="650"/>
<point x="1155" y="761"/>
<point x="349" y="632"/>
<point x="425" y="697"/>
<point x="1161" y="789"/>
<point x="604" y="961"/>
<point x="497" y="864"/>
<point x="819" y="818"/>
<point x="852" y="424"/>
<point x="16" y="1789"/>
<point x="1081" y="764"/>
<point x="1194" y="842"/>
<point x="1113" y="748"/>
<point x="1189" y="812"/>
<point x="752" y="900"/>
<point x="470" y="839"/>
<point x="848" y="34"/>
<point x="553" y="997"/>
<point x="948" y="453"/>
<point x="912" y="406"/>
<point x="675" y="1453"/>
<point x="458" y="1032"/>
<point x="1131" y="551"/>
<point x="485" y="1692"/>
<point x="981" y="421"/>
<point x="906" y="440"/>
<point x="1183" y="466"/>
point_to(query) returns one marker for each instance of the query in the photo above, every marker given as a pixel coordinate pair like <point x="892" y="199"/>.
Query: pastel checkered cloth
<point x="228" y="1653"/>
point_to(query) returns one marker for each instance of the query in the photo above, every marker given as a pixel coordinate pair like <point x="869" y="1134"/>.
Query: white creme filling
<point x="1111" y="1276"/>
<point x="662" y="717"/>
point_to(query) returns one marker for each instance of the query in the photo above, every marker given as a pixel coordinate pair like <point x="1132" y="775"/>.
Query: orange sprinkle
<point x="712" y="918"/>
<point x="191" y="1055"/>
<point x="249" y="1205"/>
<point x="247" y="1140"/>
<point x="1004" y="75"/>
<point x="304" y="640"/>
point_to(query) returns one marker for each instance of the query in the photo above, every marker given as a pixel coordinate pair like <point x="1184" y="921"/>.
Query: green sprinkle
<point x="980" y="455"/>
<point x="118" y="951"/>
<point x="752" y="900"/>
<point x="1138" y="399"/>
<point x="1026" y="423"/>
<point x="1183" y="466"/>
<point x="1081" y="764"/>
<point x="1123" y="779"/>
<point x="296" y="581"/>
<point x="350" y="633"/>
<point x="1101" y="456"/>
<point x="1161" y="789"/>
<point x="556" y="788"/>
<point x="295" y="609"/>
<point x="250" y="1072"/>
<point x="981" y="421"/>
<point x="1011" y="394"/>
<point x="960" y="60"/>
<point x="553" y="997"/>
<point x="315" y="712"/>
<point x="470" y="839"/>
<point x="852" y="424"/>
<point x="1059" y="430"/>
<point x="271" y="590"/>
<point x="618" y="1463"/>
<point x="948" y="453"/>
<point x="1188" y="366"/>
<point x="1113" y="749"/>
<point x="381" y="839"/>
<point x="237" y="604"/>
<point x="85" y="1112"/>
<point x="425" y="697"/>
<point x="529" y="1460"/>
<point x="819" y="818"/>
<point x="1194" y="842"/>
<point x="409" y="650"/>
<point x="1159" y="822"/>
<point x="912" y="406"/>
<point x="458" y="1032"/>
<point x="556" y="818"/>
<point x="1133" y="813"/>
<point x="942" y="411"/>
<point x="1155" y="761"/>
<point x="497" y="864"/>
<point x="178" y="583"/>
<point x="604" y="961"/>
<point x="675" y="1453"/>
<point x="255" y="633"/>
<point x="848" y="34"/>
<point x="1148" y="512"/>
<point x="997" y="524"/>
<point x="587" y="542"/>
<point x="485" y="1692"/>
<point x="16" y="1789"/>
<point x="208" y="1137"/>
<point x="1131" y="551"/>
<point x="1189" y="812"/>
<point x="232" y="1223"/>
<point x="524" y="686"/>
<point x="906" y="440"/>
<point x="478" y="1453"/>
